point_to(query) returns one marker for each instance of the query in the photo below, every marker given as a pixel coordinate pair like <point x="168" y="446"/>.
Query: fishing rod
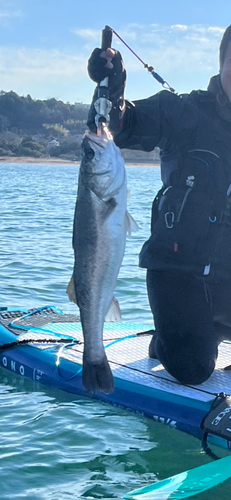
<point x="146" y="66"/>
<point x="103" y="104"/>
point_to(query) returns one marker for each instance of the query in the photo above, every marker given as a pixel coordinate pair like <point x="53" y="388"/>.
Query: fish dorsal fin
<point x="114" y="312"/>
<point x="131" y="225"/>
<point x="71" y="291"/>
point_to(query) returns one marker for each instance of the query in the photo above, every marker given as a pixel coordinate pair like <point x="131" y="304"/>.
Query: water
<point x="37" y="206"/>
<point x="56" y="446"/>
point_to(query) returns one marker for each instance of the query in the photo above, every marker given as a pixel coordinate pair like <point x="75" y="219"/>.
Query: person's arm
<point x="140" y="125"/>
<point x="154" y="121"/>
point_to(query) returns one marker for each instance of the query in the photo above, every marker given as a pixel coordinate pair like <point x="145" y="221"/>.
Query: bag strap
<point x="215" y="422"/>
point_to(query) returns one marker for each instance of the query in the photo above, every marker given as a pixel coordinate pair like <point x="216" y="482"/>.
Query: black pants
<point x="191" y="319"/>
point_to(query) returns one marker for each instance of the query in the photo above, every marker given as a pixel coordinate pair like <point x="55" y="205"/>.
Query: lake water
<point x="57" y="446"/>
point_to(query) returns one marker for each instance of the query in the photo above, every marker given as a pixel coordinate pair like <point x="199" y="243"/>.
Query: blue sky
<point x="45" y="44"/>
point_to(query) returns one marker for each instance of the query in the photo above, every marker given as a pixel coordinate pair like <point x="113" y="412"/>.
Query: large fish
<point x="101" y="222"/>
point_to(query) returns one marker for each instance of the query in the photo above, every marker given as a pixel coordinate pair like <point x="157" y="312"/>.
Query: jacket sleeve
<point x="152" y="122"/>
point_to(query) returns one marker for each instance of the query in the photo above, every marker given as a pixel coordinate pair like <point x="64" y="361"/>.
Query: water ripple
<point x="55" y="446"/>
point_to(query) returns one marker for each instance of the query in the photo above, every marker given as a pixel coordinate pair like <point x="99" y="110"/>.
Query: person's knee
<point x="187" y="367"/>
<point x="191" y="373"/>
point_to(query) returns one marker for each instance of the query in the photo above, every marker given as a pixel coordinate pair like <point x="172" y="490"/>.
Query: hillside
<point x="49" y="128"/>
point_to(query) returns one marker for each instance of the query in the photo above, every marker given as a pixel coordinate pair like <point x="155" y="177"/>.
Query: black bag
<point x="221" y="255"/>
<point x="186" y="217"/>
<point x="218" y="419"/>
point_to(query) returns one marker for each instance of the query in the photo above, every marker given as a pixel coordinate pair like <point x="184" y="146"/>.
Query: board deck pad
<point x="126" y="352"/>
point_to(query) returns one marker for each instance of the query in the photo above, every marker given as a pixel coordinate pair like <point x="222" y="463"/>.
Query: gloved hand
<point x="109" y="64"/>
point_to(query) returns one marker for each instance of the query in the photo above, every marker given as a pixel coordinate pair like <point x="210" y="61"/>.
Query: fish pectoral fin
<point x="109" y="207"/>
<point x="131" y="225"/>
<point x="114" y="312"/>
<point x="71" y="291"/>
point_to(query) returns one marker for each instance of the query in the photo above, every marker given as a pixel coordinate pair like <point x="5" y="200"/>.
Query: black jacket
<point x="196" y="124"/>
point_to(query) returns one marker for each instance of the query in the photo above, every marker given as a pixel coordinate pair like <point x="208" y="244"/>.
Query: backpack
<point x="186" y="217"/>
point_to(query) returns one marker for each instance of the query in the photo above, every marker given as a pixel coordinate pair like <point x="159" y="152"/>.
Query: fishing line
<point x="146" y="66"/>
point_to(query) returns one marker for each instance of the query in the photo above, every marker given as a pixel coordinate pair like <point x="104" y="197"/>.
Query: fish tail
<point x="97" y="377"/>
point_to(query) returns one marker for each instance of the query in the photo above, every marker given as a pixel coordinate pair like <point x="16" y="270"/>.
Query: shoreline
<point x="36" y="161"/>
<point x="59" y="161"/>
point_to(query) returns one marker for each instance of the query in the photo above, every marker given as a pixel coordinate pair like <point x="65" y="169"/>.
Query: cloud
<point x="180" y="27"/>
<point x="41" y="64"/>
<point x="8" y="12"/>
<point x="42" y="73"/>
<point x="216" y="30"/>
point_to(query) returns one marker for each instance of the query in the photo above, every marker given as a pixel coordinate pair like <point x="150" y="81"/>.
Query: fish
<point x="101" y="224"/>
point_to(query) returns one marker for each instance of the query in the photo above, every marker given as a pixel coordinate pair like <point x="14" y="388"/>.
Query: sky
<point x="45" y="44"/>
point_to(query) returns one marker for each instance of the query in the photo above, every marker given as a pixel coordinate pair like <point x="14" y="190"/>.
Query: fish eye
<point x="87" y="151"/>
<point x="89" y="154"/>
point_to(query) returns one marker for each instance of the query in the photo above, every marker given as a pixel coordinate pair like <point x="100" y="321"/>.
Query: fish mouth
<point x="97" y="142"/>
<point x="100" y="141"/>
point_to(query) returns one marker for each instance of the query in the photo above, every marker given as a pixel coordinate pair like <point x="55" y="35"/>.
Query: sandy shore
<point x="36" y="161"/>
<point x="59" y="161"/>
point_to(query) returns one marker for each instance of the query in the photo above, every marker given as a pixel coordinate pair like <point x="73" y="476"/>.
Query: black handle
<point x="106" y="38"/>
<point x="103" y="91"/>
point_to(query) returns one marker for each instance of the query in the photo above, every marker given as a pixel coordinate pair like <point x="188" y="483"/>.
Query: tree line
<point x="28" y="126"/>
<point x="42" y="128"/>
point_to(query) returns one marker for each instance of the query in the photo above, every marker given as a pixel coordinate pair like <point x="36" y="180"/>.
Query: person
<point x="188" y="254"/>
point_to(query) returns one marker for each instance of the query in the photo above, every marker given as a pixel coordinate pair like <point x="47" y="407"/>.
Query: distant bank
<point x="59" y="161"/>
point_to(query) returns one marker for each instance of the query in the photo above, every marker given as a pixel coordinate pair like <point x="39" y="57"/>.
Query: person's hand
<point x="102" y="64"/>
<point x="109" y="64"/>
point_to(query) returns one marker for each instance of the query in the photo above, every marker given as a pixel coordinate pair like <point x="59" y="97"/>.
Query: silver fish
<point x="101" y="222"/>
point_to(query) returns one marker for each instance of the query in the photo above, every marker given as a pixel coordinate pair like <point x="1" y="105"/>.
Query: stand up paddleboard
<point x="46" y="346"/>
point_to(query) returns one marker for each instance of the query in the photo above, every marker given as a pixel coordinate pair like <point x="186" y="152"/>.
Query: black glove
<point x="99" y="67"/>
<point x="113" y="68"/>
